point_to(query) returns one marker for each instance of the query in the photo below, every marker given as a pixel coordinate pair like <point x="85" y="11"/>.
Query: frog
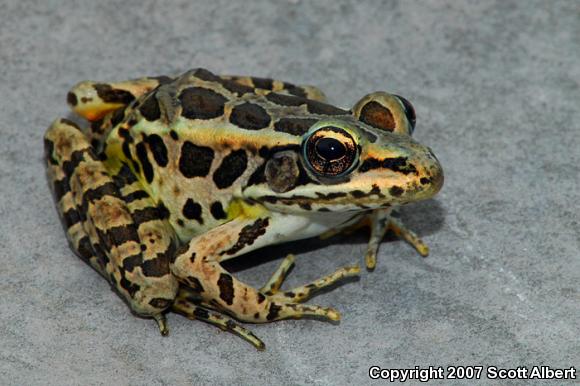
<point x="174" y="175"/>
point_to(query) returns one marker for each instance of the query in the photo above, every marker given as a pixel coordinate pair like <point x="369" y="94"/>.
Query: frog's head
<point x="365" y="161"/>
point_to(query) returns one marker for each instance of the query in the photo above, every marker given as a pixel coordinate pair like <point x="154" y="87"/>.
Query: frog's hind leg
<point x="93" y="100"/>
<point x="59" y="177"/>
<point x="189" y="305"/>
<point x="279" y="86"/>
<point x="110" y="223"/>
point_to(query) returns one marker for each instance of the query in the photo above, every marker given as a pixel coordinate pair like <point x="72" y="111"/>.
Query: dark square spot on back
<point x="201" y="103"/>
<point x="150" y="108"/>
<point x="250" y="116"/>
<point x="294" y="126"/>
<point x="285" y="100"/>
<point x="316" y="107"/>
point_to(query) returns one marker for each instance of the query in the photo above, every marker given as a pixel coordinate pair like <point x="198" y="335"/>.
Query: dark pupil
<point x="330" y="149"/>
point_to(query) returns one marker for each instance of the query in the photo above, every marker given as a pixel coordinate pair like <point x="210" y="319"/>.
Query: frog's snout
<point x="429" y="175"/>
<point x="405" y="172"/>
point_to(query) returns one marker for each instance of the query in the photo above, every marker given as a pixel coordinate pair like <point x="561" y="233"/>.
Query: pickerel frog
<point x="177" y="174"/>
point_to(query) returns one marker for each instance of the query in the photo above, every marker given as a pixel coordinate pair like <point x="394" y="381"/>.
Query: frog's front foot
<point x="380" y="221"/>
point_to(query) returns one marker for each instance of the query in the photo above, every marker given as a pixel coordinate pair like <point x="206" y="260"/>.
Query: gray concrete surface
<point x="496" y="85"/>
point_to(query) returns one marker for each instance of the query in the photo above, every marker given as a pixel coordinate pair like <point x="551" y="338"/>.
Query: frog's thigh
<point x="129" y="247"/>
<point x="198" y="266"/>
<point x="60" y="184"/>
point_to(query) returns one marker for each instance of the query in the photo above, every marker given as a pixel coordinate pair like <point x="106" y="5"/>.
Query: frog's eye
<point x="409" y="111"/>
<point x="387" y="112"/>
<point x="330" y="151"/>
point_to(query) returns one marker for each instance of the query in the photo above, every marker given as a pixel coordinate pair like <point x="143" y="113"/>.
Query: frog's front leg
<point x="380" y="221"/>
<point x="198" y="267"/>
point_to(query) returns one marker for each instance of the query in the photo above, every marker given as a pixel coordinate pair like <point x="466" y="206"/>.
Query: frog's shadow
<point x="424" y="218"/>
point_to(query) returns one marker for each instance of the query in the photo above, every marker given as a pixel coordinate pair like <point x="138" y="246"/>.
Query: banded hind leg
<point x="111" y="223"/>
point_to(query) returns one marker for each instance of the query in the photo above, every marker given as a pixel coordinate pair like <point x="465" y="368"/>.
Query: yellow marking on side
<point x="242" y="209"/>
<point x="115" y="155"/>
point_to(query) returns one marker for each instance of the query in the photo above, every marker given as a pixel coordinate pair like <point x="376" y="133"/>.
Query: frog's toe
<point x="401" y="231"/>
<point x="273" y="284"/>
<point x="304" y="292"/>
<point x="295" y="310"/>
<point x="162" y="324"/>
<point x="194" y="309"/>
<point x="287" y="304"/>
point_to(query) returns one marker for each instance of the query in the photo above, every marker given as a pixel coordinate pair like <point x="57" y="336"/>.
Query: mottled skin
<point x="176" y="175"/>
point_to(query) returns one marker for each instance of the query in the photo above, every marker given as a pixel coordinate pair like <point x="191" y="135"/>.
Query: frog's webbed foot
<point x="380" y="222"/>
<point x="189" y="305"/>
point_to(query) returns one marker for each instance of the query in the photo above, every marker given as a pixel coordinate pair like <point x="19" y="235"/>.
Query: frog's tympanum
<point x="177" y="174"/>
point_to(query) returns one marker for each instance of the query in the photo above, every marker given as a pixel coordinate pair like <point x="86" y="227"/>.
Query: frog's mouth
<point x="356" y="199"/>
